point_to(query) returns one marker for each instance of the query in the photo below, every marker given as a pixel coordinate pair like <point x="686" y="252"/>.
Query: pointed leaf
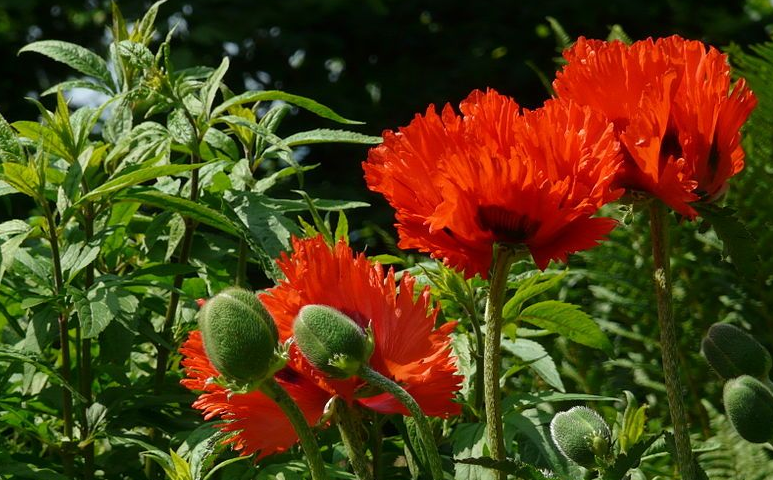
<point x="567" y="320"/>
<point x="136" y="177"/>
<point x="325" y="135"/>
<point x="270" y="95"/>
<point x="183" y="206"/>
<point x="75" y="56"/>
<point x="739" y="243"/>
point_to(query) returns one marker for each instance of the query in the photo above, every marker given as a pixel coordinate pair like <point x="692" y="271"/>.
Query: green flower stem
<point x="504" y="257"/>
<point x="662" y="282"/>
<point x="306" y="437"/>
<point x="64" y="341"/>
<point x="430" y="448"/>
<point x="352" y="439"/>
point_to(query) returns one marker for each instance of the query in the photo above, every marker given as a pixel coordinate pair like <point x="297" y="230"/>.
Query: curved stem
<point x="430" y="448"/>
<point x="298" y="421"/>
<point x="662" y="282"/>
<point x="352" y="439"/>
<point x="504" y="257"/>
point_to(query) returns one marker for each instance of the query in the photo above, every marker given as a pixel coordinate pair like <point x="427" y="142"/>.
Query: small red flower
<point x="674" y="109"/>
<point x="496" y="174"/>
<point x="408" y="349"/>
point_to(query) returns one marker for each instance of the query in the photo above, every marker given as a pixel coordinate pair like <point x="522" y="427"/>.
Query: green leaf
<point x="71" y="84"/>
<point x="538" y="359"/>
<point x="324" y="135"/>
<point x="74" y="56"/>
<point x="101" y="305"/>
<point x="634" y="423"/>
<point x="137" y="55"/>
<point x="10" y="149"/>
<point x="195" y="210"/>
<point x="342" y="228"/>
<point x="211" y="86"/>
<point x="264" y="225"/>
<point x="568" y="321"/>
<point x="270" y="95"/>
<point x="222" y="142"/>
<point x="530" y="288"/>
<point x="23" y="178"/>
<point x="8" y="249"/>
<point x="45" y="136"/>
<point x="180" y="129"/>
<point x="469" y="441"/>
<point x="624" y="462"/>
<point x="519" y="469"/>
<point x="739" y="244"/>
<point x="135" y="177"/>
<point x="529" y="399"/>
<point x="386" y="259"/>
<point x="143" y="30"/>
<point x="11" y="354"/>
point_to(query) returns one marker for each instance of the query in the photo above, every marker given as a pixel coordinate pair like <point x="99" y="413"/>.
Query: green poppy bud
<point x="749" y="406"/>
<point x="581" y="435"/>
<point x="331" y="341"/>
<point x="239" y="335"/>
<point x="732" y="352"/>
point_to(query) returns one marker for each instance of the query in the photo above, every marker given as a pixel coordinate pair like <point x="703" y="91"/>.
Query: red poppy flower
<point x="496" y="174"/>
<point x="674" y="109"/>
<point x="408" y="349"/>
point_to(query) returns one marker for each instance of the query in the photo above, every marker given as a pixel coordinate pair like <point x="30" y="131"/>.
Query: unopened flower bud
<point x="331" y="341"/>
<point x="239" y="335"/>
<point x="581" y="435"/>
<point x="749" y="406"/>
<point x="732" y="352"/>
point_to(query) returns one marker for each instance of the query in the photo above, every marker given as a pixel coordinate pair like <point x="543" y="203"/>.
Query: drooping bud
<point x="239" y="335"/>
<point x="749" y="406"/>
<point x="581" y="435"/>
<point x="331" y="341"/>
<point x="732" y="352"/>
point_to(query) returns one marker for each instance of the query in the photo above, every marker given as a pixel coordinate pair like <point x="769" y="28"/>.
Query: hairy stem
<point x="241" y="266"/>
<point x="662" y="282"/>
<point x="425" y="432"/>
<point x="504" y="257"/>
<point x="306" y="437"/>
<point x="351" y="436"/>
<point x="64" y="344"/>
<point x="480" y="346"/>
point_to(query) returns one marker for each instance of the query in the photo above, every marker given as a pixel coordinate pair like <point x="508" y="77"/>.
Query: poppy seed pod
<point x="732" y="352"/>
<point x="239" y="335"/>
<point x="331" y="341"/>
<point x="749" y="406"/>
<point x="581" y="435"/>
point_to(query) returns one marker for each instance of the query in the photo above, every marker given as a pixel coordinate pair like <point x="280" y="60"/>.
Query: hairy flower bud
<point x="331" y="341"/>
<point x="749" y="406"/>
<point x="239" y="335"/>
<point x="732" y="352"/>
<point x="581" y="435"/>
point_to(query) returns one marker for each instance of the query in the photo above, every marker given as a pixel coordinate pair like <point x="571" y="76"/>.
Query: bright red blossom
<point x="498" y="174"/>
<point x="674" y="111"/>
<point x="408" y="348"/>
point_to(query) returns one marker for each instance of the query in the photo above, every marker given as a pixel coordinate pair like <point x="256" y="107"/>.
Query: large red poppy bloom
<point x="498" y="174"/>
<point x="408" y="349"/>
<point x="674" y="109"/>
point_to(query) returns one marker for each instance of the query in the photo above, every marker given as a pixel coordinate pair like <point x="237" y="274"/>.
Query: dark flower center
<point x="507" y="226"/>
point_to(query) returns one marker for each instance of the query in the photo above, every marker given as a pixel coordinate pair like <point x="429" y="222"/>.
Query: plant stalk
<point x="425" y="432"/>
<point x="241" y="266"/>
<point x="305" y="436"/>
<point x="85" y="366"/>
<point x="662" y="282"/>
<point x="350" y="430"/>
<point x="504" y="257"/>
<point x="64" y="345"/>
